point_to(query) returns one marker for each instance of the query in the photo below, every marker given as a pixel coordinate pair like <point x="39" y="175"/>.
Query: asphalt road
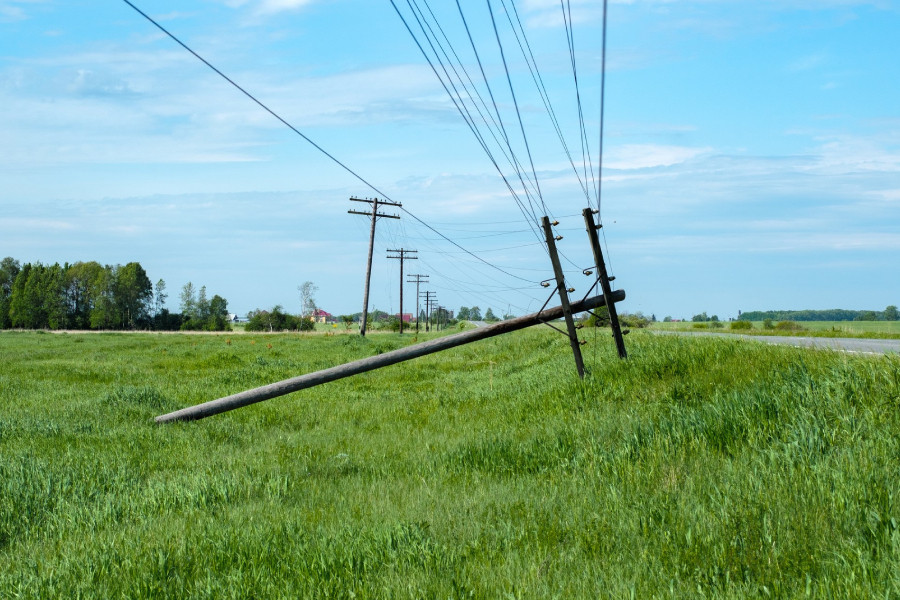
<point x="854" y="345"/>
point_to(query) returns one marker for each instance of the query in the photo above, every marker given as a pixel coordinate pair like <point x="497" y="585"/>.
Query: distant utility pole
<point x="375" y="202"/>
<point x="401" y="255"/>
<point x="418" y="279"/>
<point x="430" y="300"/>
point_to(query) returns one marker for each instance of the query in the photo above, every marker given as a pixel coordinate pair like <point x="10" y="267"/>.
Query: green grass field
<point x="713" y="468"/>
<point x="880" y="329"/>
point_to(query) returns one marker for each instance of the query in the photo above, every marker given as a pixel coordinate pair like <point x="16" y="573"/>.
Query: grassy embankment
<point x="710" y="467"/>
<point x="860" y="329"/>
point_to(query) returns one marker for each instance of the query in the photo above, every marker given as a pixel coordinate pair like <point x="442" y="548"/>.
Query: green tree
<point x="133" y="293"/>
<point x="18" y="307"/>
<point x="188" y="301"/>
<point x="308" y="298"/>
<point x="27" y="302"/>
<point x="81" y="293"/>
<point x="276" y="320"/>
<point x="218" y="314"/>
<point x="489" y="316"/>
<point x="700" y="318"/>
<point x="867" y="315"/>
<point x="464" y="313"/>
<point x="159" y="297"/>
<point x="9" y="269"/>
<point x="475" y="314"/>
<point x="203" y="307"/>
<point x="890" y="313"/>
<point x="599" y="317"/>
<point x="103" y="309"/>
<point x="55" y="309"/>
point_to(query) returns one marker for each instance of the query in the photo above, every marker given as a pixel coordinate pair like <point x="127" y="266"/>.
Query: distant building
<point x="407" y="317"/>
<point x="321" y="316"/>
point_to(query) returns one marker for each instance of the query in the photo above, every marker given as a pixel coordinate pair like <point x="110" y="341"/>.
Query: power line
<point x="460" y="107"/>
<point x="515" y="103"/>
<point x="542" y="91"/>
<point x="306" y="138"/>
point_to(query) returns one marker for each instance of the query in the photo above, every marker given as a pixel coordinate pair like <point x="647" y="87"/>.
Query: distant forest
<point x="88" y="295"/>
<point x="834" y="314"/>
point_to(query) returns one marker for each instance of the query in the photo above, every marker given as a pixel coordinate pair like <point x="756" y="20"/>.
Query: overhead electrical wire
<point x="459" y="99"/>
<point x="498" y="126"/>
<point x="460" y="105"/>
<point x="530" y="60"/>
<point x="570" y="36"/>
<point x="600" y="151"/>
<point x="310" y="141"/>
<point x="493" y="121"/>
<point x="516" y="104"/>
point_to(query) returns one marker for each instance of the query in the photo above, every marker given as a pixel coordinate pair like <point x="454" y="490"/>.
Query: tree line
<point x="88" y="295"/>
<point x="890" y="313"/>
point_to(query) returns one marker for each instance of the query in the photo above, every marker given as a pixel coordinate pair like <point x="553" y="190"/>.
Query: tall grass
<point x="698" y="467"/>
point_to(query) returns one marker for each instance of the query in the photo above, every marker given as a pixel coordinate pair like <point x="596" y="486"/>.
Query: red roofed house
<point x="320" y="316"/>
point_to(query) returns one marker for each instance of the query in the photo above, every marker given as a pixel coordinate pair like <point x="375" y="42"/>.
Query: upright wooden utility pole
<point x="375" y="202"/>
<point x="564" y="295"/>
<point x="418" y="280"/>
<point x="401" y="255"/>
<point x="429" y="302"/>
<point x="604" y="278"/>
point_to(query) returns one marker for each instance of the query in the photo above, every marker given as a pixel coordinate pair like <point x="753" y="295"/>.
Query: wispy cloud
<point x="644" y="156"/>
<point x="807" y="63"/>
<point x="269" y="7"/>
<point x="93" y="103"/>
<point x="12" y="11"/>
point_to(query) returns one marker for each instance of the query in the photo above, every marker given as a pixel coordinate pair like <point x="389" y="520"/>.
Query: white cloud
<point x="12" y="11"/>
<point x="807" y="63"/>
<point x="269" y="7"/>
<point x="853" y="153"/>
<point x="35" y="224"/>
<point x="644" y="156"/>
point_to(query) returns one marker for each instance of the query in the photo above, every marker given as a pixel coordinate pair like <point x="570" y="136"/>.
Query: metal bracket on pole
<point x="604" y="279"/>
<point x="563" y="296"/>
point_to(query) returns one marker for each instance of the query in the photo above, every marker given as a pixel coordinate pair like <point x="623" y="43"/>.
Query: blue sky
<point x="751" y="150"/>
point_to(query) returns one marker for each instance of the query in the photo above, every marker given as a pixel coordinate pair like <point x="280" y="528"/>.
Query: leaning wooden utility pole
<point x="401" y="255"/>
<point x="418" y="280"/>
<point x="563" y="294"/>
<point x="375" y="202"/>
<point x="604" y="279"/>
<point x="378" y="361"/>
